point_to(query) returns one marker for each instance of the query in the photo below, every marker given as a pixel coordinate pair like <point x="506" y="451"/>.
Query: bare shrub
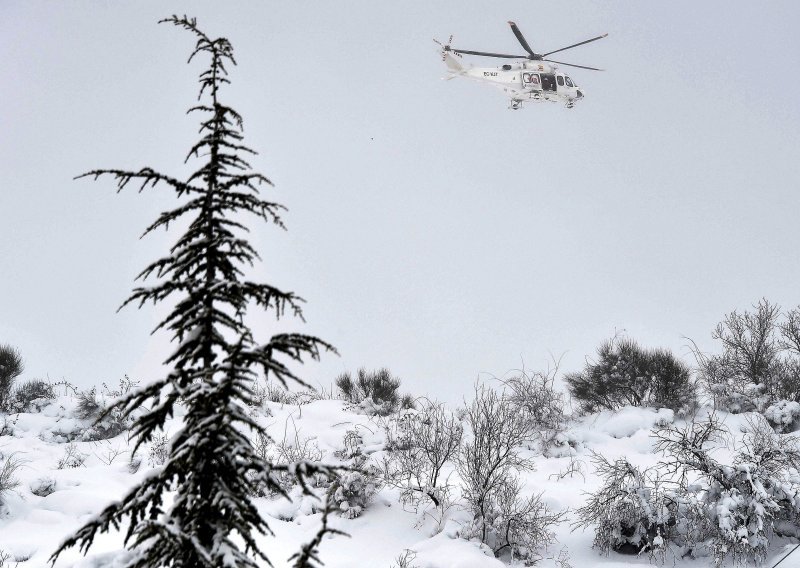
<point x="759" y="364"/>
<point x="7" y="480"/>
<point x="491" y="452"/>
<point x="520" y="527"/>
<point x="109" y="453"/>
<point x="291" y="449"/>
<point x="405" y="560"/>
<point x="488" y="464"/>
<point x="296" y="448"/>
<point x="534" y="394"/>
<point x="274" y="392"/>
<point x="159" y="450"/>
<point x="11" y="366"/>
<point x="376" y="392"/>
<point x="563" y="559"/>
<point x="125" y="387"/>
<point x="271" y="391"/>
<point x="790" y="331"/>
<point x="72" y="457"/>
<point x="420" y="444"/>
<point x="749" y="341"/>
<point x="626" y="374"/>
<point x="67" y="386"/>
<point x="575" y="467"/>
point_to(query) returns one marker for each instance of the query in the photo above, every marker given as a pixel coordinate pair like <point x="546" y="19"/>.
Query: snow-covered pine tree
<point x="211" y="460"/>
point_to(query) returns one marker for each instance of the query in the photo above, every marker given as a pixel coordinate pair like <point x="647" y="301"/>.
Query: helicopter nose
<point x="580" y="95"/>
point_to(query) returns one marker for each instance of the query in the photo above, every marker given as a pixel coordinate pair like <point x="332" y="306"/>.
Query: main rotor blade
<point x="520" y="37"/>
<point x="575" y="45"/>
<point x="487" y="54"/>
<point x="573" y="65"/>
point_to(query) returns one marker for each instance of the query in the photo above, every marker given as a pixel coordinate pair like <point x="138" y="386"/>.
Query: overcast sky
<point x="431" y="229"/>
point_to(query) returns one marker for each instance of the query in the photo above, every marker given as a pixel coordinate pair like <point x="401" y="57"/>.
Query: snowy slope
<point x="32" y="525"/>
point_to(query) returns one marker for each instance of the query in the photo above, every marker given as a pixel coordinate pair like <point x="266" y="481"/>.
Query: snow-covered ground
<point x="36" y="519"/>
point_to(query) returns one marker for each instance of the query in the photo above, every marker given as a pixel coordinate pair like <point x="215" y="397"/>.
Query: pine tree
<point x="211" y="461"/>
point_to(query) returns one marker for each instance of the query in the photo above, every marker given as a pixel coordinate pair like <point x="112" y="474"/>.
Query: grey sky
<point x="431" y="230"/>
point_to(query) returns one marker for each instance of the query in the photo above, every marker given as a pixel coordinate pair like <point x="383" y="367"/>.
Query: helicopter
<point x="534" y="79"/>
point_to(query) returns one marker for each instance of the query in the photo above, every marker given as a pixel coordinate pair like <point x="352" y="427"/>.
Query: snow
<point x="783" y="413"/>
<point x="32" y="526"/>
<point x="629" y="421"/>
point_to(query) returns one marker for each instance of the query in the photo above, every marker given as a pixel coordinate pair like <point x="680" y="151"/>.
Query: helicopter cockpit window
<point x="560" y="80"/>
<point x="569" y="81"/>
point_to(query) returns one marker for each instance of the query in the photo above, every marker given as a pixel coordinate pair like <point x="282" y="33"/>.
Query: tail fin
<point x="452" y="63"/>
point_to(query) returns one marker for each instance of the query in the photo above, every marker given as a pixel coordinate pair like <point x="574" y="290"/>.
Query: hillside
<point x="65" y="477"/>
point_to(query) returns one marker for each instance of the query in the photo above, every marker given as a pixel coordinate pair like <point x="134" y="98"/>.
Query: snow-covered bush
<point x="783" y="415"/>
<point x="419" y="445"/>
<point x="32" y="395"/>
<point x="11" y="366"/>
<point x="8" y="425"/>
<point x="626" y="374"/>
<point x="352" y="441"/>
<point x="353" y="490"/>
<point x="628" y="510"/>
<point x="89" y="405"/>
<point x="735" y="508"/>
<point x="108" y="421"/>
<point x="43" y="486"/>
<point x="704" y="507"/>
<point x="534" y="395"/>
<point x="376" y="392"/>
<point x="759" y="364"/>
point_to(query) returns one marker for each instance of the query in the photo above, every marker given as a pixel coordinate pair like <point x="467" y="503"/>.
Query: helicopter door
<point x="548" y="82"/>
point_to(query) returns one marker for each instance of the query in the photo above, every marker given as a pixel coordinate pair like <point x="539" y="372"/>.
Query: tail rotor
<point x="446" y="47"/>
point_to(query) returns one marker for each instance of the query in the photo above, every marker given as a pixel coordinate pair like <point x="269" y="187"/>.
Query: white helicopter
<point x="535" y="79"/>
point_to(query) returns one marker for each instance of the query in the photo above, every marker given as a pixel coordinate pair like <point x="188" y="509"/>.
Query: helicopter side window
<point x="531" y="78"/>
<point x="569" y="81"/>
<point x="560" y="80"/>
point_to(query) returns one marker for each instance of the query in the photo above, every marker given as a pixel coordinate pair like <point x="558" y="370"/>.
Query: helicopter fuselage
<point x="523" y="81"/>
